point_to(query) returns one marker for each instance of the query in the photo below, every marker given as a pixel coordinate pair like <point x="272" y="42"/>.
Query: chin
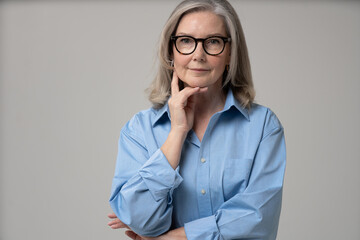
<point x="193" y="85"/>
<point x="197" y="82"/>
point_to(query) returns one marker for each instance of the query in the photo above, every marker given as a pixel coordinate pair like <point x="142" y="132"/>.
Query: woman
<point x="204" y="162"/>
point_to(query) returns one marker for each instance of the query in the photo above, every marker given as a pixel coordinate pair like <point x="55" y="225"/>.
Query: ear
<point x="171" y="57"/>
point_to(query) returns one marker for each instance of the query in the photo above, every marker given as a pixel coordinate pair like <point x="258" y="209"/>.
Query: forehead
<point x="201" y="24"/>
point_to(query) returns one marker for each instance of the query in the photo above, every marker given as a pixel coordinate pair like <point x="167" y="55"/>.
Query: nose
<point x="199" y="53"/>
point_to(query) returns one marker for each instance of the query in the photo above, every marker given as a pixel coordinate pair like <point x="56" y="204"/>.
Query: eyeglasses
<point x="212" y="45"/>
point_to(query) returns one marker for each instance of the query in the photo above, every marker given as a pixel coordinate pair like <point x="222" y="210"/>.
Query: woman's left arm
<point x="253" y="213"/>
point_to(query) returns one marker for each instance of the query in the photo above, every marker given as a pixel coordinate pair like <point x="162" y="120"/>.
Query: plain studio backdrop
<point x="72" y="73"/>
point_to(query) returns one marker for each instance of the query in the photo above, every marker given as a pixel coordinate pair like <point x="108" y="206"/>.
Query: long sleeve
<point x="253" y="213"/>
<point x="143" y="184"/>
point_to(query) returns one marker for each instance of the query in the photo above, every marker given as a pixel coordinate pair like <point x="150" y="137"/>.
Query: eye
<point x="213" y="41"/>
<point x="185" y="40"/>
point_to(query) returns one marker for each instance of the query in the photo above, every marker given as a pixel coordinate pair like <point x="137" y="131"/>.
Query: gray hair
<point x="237" y="77"/>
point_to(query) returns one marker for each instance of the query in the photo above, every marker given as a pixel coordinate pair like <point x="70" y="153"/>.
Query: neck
<point x="209" y="102"/>
<point x="206" y="105"/>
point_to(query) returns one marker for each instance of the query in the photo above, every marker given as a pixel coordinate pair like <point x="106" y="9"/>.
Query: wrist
<point x="178" y="132"/>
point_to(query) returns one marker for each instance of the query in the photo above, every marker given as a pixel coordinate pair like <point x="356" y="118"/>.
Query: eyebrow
<point x="209" y="35"/>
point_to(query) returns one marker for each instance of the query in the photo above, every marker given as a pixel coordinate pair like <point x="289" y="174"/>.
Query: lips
<point x="199" y="69"/>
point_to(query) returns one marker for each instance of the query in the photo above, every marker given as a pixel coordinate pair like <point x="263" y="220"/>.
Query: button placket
<point x="203" y="173"/>
<point x="203" y="178"/>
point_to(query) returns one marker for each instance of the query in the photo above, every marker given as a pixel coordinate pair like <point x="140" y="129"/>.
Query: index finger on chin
<point x="174" y="84"/>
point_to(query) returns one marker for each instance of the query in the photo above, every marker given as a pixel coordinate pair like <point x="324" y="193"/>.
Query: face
<point x="200" y="69"/>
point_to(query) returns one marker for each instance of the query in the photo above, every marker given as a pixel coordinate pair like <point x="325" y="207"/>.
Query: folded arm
<point x="142" y="187"/>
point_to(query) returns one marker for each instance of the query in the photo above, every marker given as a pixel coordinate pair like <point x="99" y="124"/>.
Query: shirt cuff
<point x="203" y="228"/>
<point x="159" y="176"/>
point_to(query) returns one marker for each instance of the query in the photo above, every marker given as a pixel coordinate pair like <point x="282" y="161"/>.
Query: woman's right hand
<point x="182" y="106"/>
<point x="182" y="112"/>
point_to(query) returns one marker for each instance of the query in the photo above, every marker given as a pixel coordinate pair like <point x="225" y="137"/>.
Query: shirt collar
<point x="232" y="101"/>
<point x="161" y="112"/>
<point x="229" y="102"/>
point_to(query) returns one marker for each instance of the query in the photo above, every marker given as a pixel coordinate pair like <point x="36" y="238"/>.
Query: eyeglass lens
<point x="212" y="45"/>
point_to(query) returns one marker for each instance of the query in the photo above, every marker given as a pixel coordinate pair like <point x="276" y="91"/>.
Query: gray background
<point x="73" y="72"/>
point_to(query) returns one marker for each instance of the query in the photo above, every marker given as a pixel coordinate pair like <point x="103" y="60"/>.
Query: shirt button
<point x="203" y="160"/>
<point x="203" y="191"/>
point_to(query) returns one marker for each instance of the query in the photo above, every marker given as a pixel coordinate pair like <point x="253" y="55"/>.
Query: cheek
<point x="218" y="64"/>
<point x="226" y="56"/>
<point x="181" y="61"/>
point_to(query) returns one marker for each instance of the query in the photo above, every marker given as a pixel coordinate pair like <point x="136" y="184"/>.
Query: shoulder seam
<point x="271" y="131"/>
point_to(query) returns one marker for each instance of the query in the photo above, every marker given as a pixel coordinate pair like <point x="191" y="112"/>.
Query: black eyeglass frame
<point x="202" y="40"/>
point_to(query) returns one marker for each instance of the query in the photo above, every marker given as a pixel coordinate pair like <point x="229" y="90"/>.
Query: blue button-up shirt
<point x="228" y="186"/>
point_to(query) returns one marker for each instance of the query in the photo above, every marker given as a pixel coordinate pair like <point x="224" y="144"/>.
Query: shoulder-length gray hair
<point x="237" y="77"/>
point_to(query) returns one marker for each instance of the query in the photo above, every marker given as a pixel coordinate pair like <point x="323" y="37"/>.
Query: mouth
<point x="199" y="69"/>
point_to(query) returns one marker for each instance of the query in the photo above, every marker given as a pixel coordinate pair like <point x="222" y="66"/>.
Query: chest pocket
<point x="235" y="176"/>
